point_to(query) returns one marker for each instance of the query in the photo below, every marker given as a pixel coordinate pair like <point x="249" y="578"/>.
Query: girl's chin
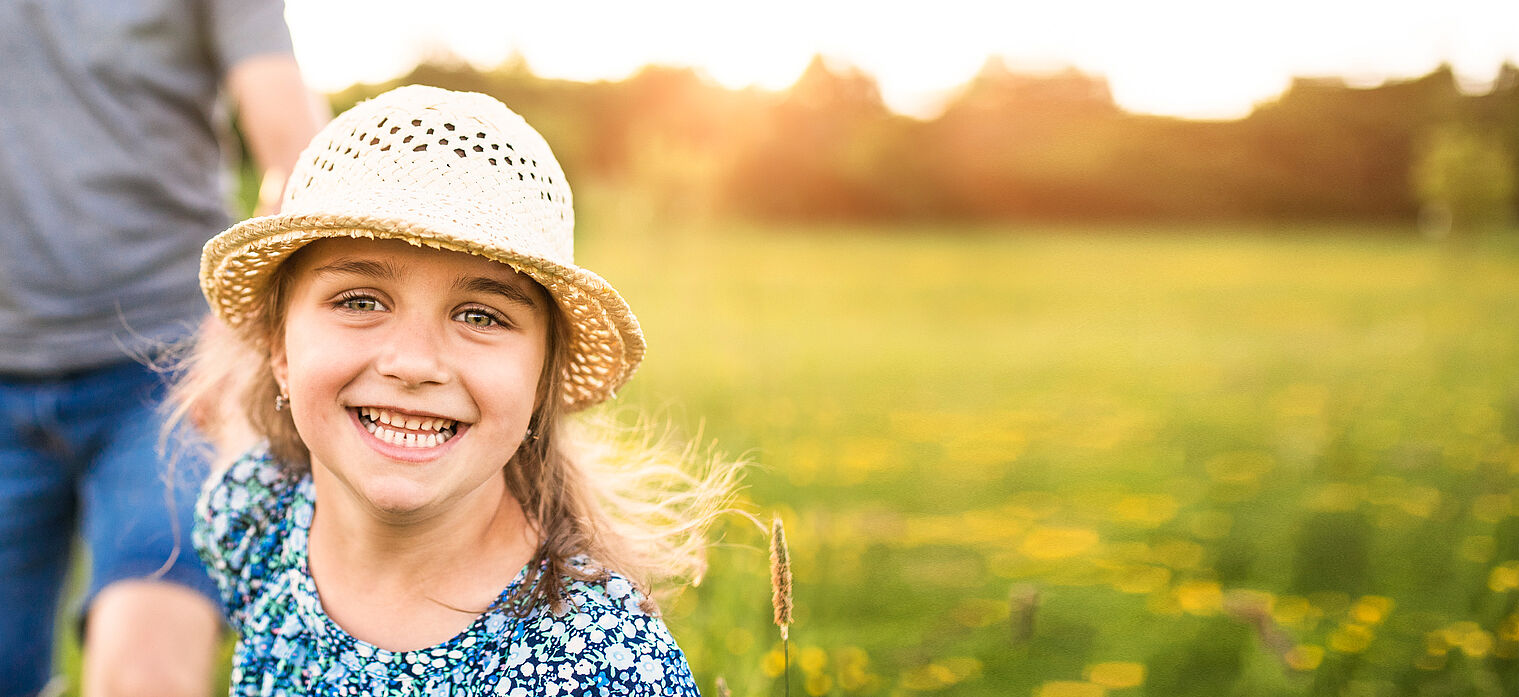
<point x="397" y="503"/>
<point x="401" y="501"/>
<point x="391" y="498"/>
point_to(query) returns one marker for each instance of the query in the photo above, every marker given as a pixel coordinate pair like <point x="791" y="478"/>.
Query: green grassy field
<point x="1059" y="463"/>
<point x="1069" y="463"/>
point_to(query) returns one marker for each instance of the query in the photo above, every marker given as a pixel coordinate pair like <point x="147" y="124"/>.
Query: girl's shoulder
<point x="606" y="636"/>
<point x="255" y="486"/>
<point x="247" y="518"/>
<point x="596" y="588"/>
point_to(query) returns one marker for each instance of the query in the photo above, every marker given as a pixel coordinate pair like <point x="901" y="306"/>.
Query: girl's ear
<point x="279" y="364"/>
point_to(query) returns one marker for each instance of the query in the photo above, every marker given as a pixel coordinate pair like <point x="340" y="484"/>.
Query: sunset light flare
<point x="1191" y="58"/>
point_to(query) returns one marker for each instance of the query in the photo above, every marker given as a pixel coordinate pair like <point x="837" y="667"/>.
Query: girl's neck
<point x="439" y="573"/>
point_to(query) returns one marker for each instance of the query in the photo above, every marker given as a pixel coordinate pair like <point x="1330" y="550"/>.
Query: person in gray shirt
<point x="112" y="176"/>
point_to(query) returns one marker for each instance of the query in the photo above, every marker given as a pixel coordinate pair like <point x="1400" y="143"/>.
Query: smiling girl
<point x="414" y="506"/>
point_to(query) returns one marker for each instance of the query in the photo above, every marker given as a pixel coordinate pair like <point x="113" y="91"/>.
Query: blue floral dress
<point x="251" y="529"/>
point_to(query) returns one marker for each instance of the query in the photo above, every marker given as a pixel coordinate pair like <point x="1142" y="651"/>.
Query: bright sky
<point x="1193" y="58"/>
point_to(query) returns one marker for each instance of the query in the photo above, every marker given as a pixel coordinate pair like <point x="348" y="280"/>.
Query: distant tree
<point x="678" y="134"/>
<point x="815" y="154"/>
<point x="1464" y="180"/>
<point x="1019" y="146"/>
<point x="1010" y="144"/>
<point x="1328" y="150"/>
<point x="1066" y="94"/>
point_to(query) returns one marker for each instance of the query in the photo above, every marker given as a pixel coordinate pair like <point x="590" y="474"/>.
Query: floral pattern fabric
<point x="251" y="529"/>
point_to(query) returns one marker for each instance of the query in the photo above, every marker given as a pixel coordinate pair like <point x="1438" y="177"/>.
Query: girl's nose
<point x="412" y="354"/>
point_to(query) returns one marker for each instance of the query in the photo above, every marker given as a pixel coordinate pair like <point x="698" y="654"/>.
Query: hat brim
<point x="606" y="343"/>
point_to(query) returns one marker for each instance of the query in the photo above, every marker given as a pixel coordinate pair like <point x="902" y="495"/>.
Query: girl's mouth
<point x="407" y="430"/>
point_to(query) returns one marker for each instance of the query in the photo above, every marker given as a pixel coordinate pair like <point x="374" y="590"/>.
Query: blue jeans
<point x="78" y="454"/>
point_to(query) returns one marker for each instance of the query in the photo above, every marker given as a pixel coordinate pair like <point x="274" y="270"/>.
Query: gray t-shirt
<point x="111" y="169"/>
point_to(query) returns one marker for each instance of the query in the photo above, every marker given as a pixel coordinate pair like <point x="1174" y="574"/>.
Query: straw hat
<point x="451" y="170"/>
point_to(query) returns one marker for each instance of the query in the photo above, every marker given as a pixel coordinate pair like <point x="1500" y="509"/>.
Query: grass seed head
<point x="780" y="577"/>
<point x="1023" y="603"/>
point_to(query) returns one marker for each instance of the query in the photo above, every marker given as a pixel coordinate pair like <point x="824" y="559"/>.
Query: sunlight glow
<point x="1193" y="58"/>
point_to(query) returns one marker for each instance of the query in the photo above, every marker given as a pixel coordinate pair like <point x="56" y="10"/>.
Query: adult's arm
<point x="278" y="115"/>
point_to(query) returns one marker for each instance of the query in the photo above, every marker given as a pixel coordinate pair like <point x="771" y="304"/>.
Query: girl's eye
<point x="360" y="303"/>
<point x="476" y="317"/>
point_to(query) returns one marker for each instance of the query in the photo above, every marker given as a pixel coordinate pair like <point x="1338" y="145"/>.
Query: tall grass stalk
<point x="780" y="586"/>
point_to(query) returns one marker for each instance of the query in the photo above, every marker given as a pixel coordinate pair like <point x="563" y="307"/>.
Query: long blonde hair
<point x="631" y="498"/>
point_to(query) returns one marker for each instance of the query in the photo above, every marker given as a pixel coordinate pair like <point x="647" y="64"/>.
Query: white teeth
<point x="408" y="440"/>
<point x="435" y="431"/>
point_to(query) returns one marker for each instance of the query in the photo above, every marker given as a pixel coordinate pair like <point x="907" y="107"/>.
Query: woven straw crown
<point x="451" y="170"/>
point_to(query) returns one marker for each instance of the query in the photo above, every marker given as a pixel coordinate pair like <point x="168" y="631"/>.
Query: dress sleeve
<point x="233" y="519"/>
<point x="610" y="646"/>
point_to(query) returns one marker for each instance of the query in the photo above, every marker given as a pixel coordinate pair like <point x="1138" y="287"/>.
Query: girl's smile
<point x="412" y="373"/>
<point x="406" y="430"/>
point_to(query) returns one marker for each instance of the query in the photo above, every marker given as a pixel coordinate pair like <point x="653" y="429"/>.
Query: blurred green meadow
<point x="1075" y="462"/>
<point x="1069" y="462"/>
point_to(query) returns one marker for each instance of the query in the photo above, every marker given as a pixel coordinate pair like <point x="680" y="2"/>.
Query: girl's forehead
<point x="398" y="254"/>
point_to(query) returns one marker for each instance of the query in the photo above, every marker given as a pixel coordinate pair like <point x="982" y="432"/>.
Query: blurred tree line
<point x="1015" y="146"/>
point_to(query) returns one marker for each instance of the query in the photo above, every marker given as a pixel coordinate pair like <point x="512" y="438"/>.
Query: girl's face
<point x="412" y="373"/>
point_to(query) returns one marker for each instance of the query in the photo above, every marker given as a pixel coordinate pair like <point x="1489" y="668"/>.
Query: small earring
<point x="530" y="435"/>
<point x="280" y="402"/>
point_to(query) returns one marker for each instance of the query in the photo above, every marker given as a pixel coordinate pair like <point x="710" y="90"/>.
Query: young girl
<point x="420" y="514"/>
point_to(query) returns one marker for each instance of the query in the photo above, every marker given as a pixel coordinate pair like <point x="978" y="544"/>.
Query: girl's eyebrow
<point x="361" y="267"/>
<point x="483" y="284"/>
